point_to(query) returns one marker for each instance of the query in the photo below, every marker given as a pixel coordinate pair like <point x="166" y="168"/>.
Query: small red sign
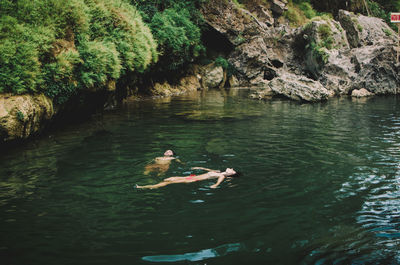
<point x="395" y="17"/>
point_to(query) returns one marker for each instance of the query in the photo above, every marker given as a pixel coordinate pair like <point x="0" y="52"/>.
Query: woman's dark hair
<point x="173" y="152"/>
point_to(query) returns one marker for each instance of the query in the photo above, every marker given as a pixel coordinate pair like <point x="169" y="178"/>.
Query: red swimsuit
<point x="191" y="176"/>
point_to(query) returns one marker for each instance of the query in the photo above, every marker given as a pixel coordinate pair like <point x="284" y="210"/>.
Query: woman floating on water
<point x="161" y="164"/>
<point x="211" y="174"/>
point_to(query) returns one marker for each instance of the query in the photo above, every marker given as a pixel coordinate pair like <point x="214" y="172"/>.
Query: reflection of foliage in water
<point x="208" y="112"/>
<point x="216" y="114"/>
<point x="217" y="146"/>
<point x="218" y="105"/>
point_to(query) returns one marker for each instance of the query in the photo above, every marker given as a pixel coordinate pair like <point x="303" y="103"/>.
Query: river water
<point x="320" y="184"/>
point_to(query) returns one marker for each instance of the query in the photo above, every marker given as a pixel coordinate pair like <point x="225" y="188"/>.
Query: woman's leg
<point x="155" y="186"/>
<point x="166" y="182"/>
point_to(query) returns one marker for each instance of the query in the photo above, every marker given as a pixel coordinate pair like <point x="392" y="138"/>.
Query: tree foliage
<point x="176" y="25"/>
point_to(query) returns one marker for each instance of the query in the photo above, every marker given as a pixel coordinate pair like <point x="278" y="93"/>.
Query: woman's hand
<point x="214" y="186"/>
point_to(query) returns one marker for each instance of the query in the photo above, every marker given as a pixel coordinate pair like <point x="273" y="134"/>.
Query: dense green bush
<point x="59" y="47"/>
<point x="59" y="78"/>
<point x="299" y="13"/>
<point x="308" y="10"/>
<point x="176" y="26"/>
<point x="20" y="48"/>
<point x="178" y="37"/>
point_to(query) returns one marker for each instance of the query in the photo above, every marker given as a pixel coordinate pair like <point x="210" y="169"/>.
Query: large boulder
<point x="185" y="84"/>
<point x="359" y="93"/>
<point x="338" y="74"/>
<point x="246" y="32"/>
<point x="212" y="76"/>
<point x="233" y="22"/>
<point x="343" y="61"/>
<point x="278" y="6"/>
<point x="23" y="116"/>
<point x="375" y="69"/>
<point x="322" y="38"/>
<point x="365" y="31"/>
<point x="250" y="59"/>
<point x="298" y="88"/>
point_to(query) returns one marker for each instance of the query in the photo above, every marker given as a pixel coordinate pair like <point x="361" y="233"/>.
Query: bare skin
<point x="161" y="164"/>
<point x="211" y="174"/>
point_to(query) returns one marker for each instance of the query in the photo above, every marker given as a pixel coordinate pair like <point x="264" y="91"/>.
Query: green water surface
<point x="320" y="184"/>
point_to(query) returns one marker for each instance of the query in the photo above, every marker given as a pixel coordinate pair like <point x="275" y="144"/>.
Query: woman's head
<point x="230" y="172"/>
<point x="169" y="153"/>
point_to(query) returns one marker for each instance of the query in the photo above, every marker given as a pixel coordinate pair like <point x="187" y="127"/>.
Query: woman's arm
<point x="220" y="179"/>
<point x="207" y="169"/>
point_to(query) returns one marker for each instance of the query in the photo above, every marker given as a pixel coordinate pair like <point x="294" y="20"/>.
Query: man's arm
<point x="220" y="179"/>
<point x="179" y="161"/>
<point x="207" y="169"/>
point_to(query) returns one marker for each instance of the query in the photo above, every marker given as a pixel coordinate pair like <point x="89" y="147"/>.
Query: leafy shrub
<point x="318" y="52"/>
<point x="178" y="37"/>
<point x="325" y="33"/>
<point x="295" y="15"/>
<point x="59" y="79"/>
<point x="20" y="66"/>
<point x="101" y="63"/>
<point x="101" y="41"/>
<point x="121" y="23"/>
<point x="308" y="10"/>
<point x="220" y="61"/>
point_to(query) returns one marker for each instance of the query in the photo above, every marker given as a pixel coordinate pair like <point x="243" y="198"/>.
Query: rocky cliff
<point x="326" y="57"/>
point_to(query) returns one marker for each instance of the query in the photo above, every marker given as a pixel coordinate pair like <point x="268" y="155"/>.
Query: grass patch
<point x="388" y="32"/>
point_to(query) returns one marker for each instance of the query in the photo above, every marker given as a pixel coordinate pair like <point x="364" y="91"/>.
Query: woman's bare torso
<point x="208" y="175"/>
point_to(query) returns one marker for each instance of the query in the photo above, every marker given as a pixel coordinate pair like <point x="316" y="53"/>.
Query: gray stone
<point x="358" y="93"/>
<point x="364" y="31"/>
<point x="233" y="81"/>
<point x="213" y="76"/>
<point x="24" y="115"/>
<point x="298" y="88"/>
<point x="278" y="7"/>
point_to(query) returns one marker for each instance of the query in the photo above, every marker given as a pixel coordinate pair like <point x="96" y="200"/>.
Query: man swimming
<point x="161" y="164"/>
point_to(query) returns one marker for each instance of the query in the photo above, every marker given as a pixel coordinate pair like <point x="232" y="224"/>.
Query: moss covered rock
<point x="24" y="115"/>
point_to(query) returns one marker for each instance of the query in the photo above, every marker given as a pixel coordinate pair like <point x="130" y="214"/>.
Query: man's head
<point x="169" y="153"/>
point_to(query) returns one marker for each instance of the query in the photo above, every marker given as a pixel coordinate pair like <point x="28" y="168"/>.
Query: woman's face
<point x="230" y="171"/>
